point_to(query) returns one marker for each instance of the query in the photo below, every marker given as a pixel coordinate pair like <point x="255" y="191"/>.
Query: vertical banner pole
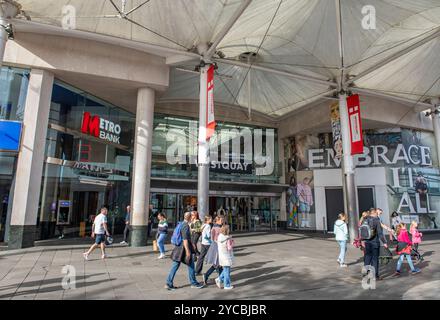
<point x="349" y="185"/>
<point x="203" y="147"/>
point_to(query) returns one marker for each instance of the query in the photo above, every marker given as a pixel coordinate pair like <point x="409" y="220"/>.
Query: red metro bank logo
<point x="100" y="128"/>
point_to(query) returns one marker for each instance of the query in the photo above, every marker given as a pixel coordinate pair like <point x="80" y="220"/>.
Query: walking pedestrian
<point x="341" y="234"/>
<point x="162" y="232"/>
<point x="416" y="239"/>
<point x="99" y="230"/>
<point x="127" y="225"/>
<point x="150" y="220"/>
<point x="212" y="255"/>
<point x="358" y="242"/>
<point x="196" y="230"/>
<point x="206" y="243"/>
<point x="404" y="249"/>
<point x="183" y="252"/>
<point x="372" y="244"/>
<point x="226" y="256"/>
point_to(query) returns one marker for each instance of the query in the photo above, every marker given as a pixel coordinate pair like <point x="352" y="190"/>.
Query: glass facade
<point x="13" y="88"/>
<point x="89" y="154"/>
<point x="238" y="152"/>
<point x="84" y="171"/>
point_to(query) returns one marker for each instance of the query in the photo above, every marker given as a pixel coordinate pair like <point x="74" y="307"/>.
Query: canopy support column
<point x="348" y="180"/>
<point x="203" y="148"/>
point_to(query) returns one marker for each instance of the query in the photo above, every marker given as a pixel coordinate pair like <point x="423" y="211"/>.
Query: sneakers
<point x="170" y="288"/>
<point x="197" y="286"/>
<point x="415" y="271"/>
<point x="86" y="256"/>
<point x="228" y="288"/>
<point x="123" y="242"/>
<point x="218" y="283"/>
<point x="343" y="265"/>
<point x="161" y="256"/>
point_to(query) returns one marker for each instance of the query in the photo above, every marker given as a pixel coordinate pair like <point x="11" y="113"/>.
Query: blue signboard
<point x="10" y="134"/>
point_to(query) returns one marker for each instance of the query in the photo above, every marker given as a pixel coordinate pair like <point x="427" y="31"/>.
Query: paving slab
<point x="283" y="265"/>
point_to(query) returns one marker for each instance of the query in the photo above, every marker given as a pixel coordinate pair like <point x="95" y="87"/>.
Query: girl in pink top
<point x="416" y="239"/>
<point x="404" y="249"/>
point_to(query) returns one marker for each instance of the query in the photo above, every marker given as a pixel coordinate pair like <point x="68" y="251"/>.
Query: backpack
<point x="176" y="238"/>
<point x="366" y="230"/>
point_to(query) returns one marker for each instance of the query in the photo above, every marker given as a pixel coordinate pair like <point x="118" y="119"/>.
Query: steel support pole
<point x="203" y="149"/>
<point x="349" y="185"/>
<point x="436" y="126"/>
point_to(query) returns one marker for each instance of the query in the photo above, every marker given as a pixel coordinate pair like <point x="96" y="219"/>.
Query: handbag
<point x="403" y="248"/>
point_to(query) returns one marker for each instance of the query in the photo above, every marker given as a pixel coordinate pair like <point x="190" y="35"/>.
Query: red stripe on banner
<point x="210" y="120"/>
<point x="354" y="120"/>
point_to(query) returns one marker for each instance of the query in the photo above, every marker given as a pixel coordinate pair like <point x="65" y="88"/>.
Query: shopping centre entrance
<point x="243" y="213"/>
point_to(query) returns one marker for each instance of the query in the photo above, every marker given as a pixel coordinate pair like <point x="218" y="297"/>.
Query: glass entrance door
<point x="5" y="187"/>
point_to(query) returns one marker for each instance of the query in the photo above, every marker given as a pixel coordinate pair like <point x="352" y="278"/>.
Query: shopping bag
<point x="155" y="247"/>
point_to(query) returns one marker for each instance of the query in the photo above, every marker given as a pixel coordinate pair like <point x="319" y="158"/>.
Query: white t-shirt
<point x="99" y="223"/>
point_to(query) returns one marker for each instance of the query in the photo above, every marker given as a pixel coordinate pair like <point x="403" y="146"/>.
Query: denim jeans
<point x="191" y="273"/>
<point x="400" y="261"/>
<point x="343" y="246"/>
<point x="225" y="276"/>
<point x="161" y="242"/>
<point x="211" y="270"/>
<point x="371" y="257"/>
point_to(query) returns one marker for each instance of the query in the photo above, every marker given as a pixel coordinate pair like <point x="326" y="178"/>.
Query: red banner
<point x="210" y="120"/>
<point x="354" y="120"/>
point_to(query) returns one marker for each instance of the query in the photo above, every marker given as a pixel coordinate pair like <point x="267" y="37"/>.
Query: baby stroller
<point x="385" y="255"/>
<point x="416" y="254"/>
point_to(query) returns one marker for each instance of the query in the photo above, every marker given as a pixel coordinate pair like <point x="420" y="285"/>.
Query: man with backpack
<point x="371" y="232"/>
<point x="183" y="252"/>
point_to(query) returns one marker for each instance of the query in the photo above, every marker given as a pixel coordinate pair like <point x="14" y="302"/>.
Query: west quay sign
<point x="101" y="128"/>
<point x="415" y="155"/>
<point x="234" y="157"/>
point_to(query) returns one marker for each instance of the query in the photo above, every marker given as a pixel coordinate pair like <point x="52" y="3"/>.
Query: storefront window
<point x="88" y="161"/>
<point x="409" y="176"/>
<point x="238" y="152"/>
<point x="13" y="89"/>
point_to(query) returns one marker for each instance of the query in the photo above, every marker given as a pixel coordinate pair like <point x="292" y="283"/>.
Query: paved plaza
<point x="282" y="265"/>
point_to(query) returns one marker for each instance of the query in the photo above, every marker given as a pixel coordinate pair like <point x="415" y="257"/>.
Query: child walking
<point x="404" y="249"/>
<point x="416" y="239"/>
<point x="341" y="232"/>
<point x="226" y="255"/>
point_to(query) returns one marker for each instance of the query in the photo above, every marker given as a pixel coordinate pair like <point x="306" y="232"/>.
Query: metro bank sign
<point x="101" y="128"/>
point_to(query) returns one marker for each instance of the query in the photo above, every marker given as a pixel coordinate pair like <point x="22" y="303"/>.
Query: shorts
<point x="304" y="207"/>
<point x="99" y="238"/>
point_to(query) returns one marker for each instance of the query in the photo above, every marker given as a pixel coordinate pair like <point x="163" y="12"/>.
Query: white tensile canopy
<point x="275" y="56"/>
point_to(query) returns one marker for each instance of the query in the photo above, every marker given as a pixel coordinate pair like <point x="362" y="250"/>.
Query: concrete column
<point x="142" y="167"/>
<point x="3" y="39"/>
<point x="30" y="160"/>
<point x="436" y="126"/>
<point x="348" y="181"/>
<point x="203" y="149"/>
